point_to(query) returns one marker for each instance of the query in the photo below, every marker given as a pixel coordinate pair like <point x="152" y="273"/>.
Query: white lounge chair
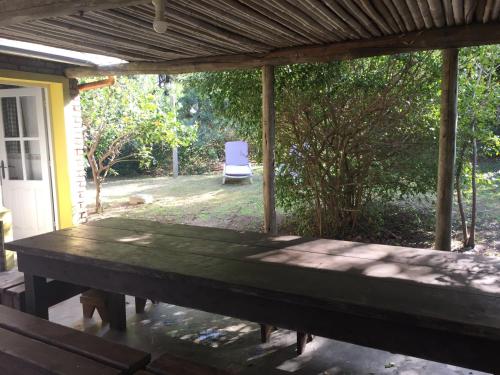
<point x="237" y="165"/>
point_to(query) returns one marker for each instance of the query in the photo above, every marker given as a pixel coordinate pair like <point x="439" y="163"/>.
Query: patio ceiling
<point x="225" y="34"/>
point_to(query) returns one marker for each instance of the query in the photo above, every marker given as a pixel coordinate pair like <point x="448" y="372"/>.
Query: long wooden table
<point x="436" y="305"/>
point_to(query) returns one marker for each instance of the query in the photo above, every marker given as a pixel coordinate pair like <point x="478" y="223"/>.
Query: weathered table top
<point x="436" y="290"/>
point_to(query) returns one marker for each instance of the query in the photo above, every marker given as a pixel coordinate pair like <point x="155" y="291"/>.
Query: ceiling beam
<point x="19" y="11"/>
<point x="448" y="37"/>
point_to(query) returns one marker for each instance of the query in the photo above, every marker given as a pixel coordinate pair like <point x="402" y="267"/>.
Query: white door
<point x="24" y="163"/>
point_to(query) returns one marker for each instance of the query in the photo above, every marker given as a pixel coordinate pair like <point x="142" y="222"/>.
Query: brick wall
<point x="79" y="203"/>
<point x="74" y="122"/>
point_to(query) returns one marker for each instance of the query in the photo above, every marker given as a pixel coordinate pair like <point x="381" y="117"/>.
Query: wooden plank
<point x="418" y="264"/>
<point x="22" y="355"/>
<point x="133" y="231"/>
<point x="71" y="340"/>
<point x="379" y="331"/>
<point x="13" y="12"/>
<point x="449" y="37"/>
<point x="268" y="141"/>
<point x="448" y="307"/>
<point x="447" y="135"/>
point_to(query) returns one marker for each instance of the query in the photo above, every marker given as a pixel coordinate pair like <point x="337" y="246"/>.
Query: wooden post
<point x="268" y="134"/>
<point x="447" y="134"/>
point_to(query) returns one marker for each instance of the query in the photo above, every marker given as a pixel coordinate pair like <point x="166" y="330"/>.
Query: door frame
<point x="61" y="116"/>
<point x="41" y="93"/>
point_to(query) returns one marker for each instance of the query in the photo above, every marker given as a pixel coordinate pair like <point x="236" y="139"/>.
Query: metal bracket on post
<point x="160" y="22"/>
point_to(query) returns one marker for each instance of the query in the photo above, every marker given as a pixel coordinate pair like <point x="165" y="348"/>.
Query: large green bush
<point x="348" y="133"/>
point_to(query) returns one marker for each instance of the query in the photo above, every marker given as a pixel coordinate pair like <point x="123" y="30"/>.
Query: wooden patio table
<point x="431" y="304"/>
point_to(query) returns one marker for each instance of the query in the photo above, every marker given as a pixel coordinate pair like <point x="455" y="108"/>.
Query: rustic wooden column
<point x="268" y="134"/>
<point x="447" y="134"/>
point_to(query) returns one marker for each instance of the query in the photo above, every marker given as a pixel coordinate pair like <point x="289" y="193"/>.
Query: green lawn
<point x="203" y="200"/>
<point x="200" y="200"/>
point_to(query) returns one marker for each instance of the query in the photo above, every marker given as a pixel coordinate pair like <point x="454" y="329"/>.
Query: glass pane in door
<point x="28" y="111"/>
<point x="14" y="160"/>
<point x="10" y="120"/>
<point x="33" y="160"/>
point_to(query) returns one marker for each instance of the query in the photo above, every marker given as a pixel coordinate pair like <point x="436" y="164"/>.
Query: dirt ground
<point x="204" y="200"/>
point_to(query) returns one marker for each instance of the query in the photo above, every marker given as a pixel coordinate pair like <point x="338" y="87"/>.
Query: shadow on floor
<point x="225" y="340"/>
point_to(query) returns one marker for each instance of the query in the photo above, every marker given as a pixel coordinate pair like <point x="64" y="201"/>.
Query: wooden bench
<point x="13" y="290"/>
<point x="30" y="345"/>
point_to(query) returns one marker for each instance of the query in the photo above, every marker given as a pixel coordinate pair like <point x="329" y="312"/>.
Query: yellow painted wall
<point x="58" y="98"/>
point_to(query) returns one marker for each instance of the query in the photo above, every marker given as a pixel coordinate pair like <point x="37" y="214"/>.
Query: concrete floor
<point x="232" y="343"/>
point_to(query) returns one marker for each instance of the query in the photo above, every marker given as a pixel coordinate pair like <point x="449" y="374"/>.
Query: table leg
<point x="117" y="314"/>
<point x="36" y="295"/>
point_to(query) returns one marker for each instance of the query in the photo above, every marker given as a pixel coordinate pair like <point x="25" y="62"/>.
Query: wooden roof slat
<point x="387" y="15"/>
<point x="458" y="11"/>
<point x="296" y="15"/>
<point x="178" y="39"/>
<point x="217" y="12"/>
<point x="423" y="5"/>
<point x="287" y="22"/>
<point x="107" y="27"/>
<point x="349" y="19"/>
<point x="94" y="35"/>
<point x="469" y="9"/>
<point x="404" y="11"/>
<point x="256" y="18"/>
<point x="488" y="10"/>
<point x="415" y="13"/>
<point x="448" y="11"/>
<point x="496" y="11"/>
<point x="170" y="39"/>
<point x="328" y="17"/>
<point x="232" y="23"/>
<point x="437" y="12"/>
<point x="187" y="29"/>
<point x="395" y="14"/>
<point x="478" y="15"/>
<point x="376" y="17"/>
<point x="218" y="32"/>
<point x="357" y="13"/>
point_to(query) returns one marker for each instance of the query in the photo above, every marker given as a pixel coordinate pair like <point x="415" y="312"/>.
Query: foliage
<point x="478" y="127"/>
<point x="348" y="133"/>
<point x="133" y="113"/>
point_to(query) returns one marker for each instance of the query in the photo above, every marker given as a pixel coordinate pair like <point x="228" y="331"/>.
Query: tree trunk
<point x="98" y="203"/>
<point x="472" y="231"/>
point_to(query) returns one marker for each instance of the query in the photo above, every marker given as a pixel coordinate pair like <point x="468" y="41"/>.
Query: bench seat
<point x="13" y="290"/>
<point x="64" y="345"/>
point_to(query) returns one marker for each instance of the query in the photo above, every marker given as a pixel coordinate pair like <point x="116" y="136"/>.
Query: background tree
<point x="478" y="107"/>
<point x="131" y="112"/>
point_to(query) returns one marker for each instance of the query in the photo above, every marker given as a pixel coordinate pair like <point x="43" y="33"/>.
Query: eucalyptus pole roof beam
<point x="19" y="11"/>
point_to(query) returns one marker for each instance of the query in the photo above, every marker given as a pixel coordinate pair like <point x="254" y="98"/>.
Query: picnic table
<point x="431" y="304"/>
